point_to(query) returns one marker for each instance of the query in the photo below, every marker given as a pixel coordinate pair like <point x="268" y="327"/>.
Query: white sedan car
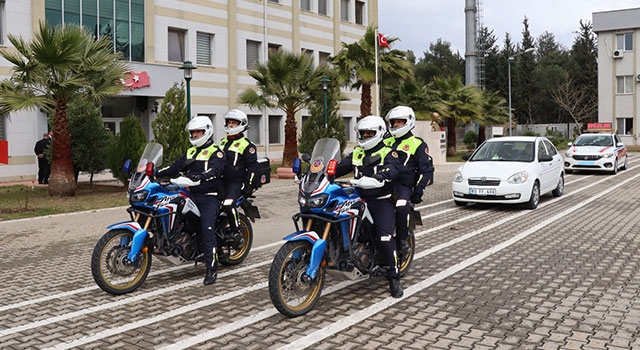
<point x="598" y="152"/>
<point x="514" y="169"/>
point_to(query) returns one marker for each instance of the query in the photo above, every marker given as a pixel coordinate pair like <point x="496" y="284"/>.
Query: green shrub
<point x="128" y="144"/>
<point x="470" y="140"/>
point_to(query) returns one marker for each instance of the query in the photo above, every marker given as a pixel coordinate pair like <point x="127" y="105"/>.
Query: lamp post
<point x="325" y="84"/>
<point x="188" y="68"/>
<point x="509" y="74"/>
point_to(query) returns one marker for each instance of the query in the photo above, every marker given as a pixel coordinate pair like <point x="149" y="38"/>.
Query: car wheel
<point x="625" y="164"/>
<point x="460" y="204"/>
<point x="535" y="196"/>
<point x="560" y="188"/>
<point x="615" y="167"/>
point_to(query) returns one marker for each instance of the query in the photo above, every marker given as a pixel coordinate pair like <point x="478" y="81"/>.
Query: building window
<point x="2" y="31"/>
<point x="276" y="1"/>
<point x="274" y="129"/>
<point x="344" y="10"/>
<point x="307" y="52"/>
<point x="323" y="7"/>
<point x="323" y="57"/>
<point x="3" y="132"/>
<point x="625" y="84"/>
<point x="624" y="42"/>
<point x="253" y="53"/>
<point x="305" y="5"/>
<point x="253" y="133"/>
<point x="347" y="127"/>
<point x="360" y="12"/>
<point x="121" y="20"/>
<point x="203" y="48"/>
<point x="176" y="45"/>
<point x="273" y="48"/>
<point x="624" y="126"/>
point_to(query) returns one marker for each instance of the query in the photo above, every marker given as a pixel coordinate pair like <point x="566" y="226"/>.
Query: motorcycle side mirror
<point x="306" y="157"/>
<point x="127" y="166"/>
<point x="297" y="166"/>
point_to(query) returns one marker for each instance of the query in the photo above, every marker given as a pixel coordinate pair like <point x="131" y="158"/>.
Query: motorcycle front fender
<point x="139" y="236"/>
<point x="317" y="250"/>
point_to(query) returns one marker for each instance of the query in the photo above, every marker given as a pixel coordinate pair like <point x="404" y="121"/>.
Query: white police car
<point x="597" y="152"/>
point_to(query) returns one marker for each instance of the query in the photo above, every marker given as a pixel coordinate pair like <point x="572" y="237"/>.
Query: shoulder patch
<point x="426" y="150"/>
<point x="252" y="150"/>
<point x="394" y="154"/>
<point x="219" y="154"/>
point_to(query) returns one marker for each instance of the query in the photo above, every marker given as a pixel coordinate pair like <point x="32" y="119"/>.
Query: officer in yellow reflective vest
<point x="204" y="162"/>
<point x="242" y="161"/>
<point x="415" y="172"/>
<point x="362" y="162"/>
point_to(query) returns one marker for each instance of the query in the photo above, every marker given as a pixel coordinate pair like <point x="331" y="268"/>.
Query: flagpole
<point x="377" y="40"/>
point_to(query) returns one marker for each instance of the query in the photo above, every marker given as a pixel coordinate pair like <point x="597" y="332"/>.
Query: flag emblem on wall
<point x="133" y="80"/>
<point x="382" y="40"/>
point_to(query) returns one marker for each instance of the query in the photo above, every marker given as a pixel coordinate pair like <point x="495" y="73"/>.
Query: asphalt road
<point x="562" y="276"/>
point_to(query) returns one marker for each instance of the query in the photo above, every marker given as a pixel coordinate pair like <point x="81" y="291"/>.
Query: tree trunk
<point x="451" y="137"/>
<point x="365" y="103"/>
<point x="481" y="135"/>
<point x="290" y="151"/>
<point x="62" y="180"/>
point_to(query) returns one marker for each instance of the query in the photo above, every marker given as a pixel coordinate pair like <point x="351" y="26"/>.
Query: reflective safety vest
<point x="358" y="156"/>
<point x="203" y="155"/>
<point x="237" y="146"/>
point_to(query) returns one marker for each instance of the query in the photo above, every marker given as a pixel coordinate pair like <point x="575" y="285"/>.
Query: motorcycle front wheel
<point x="112" y="270"/>
<point x="407" y="259"/>
<point x="236" y="250"/>
<point x="290" y="293"/>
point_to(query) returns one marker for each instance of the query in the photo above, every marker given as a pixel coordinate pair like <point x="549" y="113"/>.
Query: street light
<point x="325" y="84"/>
<point x="188" y="68"/>
<point x="509" y="73"/>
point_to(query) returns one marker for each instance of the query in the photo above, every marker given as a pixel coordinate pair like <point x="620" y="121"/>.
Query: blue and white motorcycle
<point x="337" y="233"/>
<point x="165" y="222"/>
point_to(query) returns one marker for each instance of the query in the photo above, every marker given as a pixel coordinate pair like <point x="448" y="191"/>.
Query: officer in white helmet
<point x="204" y="162"/>
<point x="242" y="162"/>
<point x="415" y="172"/>
<point x="362" y="162"/>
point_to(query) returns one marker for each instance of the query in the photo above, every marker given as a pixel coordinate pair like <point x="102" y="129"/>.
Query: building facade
<point x="223" y="39"/>
<point x="618" y="34"/>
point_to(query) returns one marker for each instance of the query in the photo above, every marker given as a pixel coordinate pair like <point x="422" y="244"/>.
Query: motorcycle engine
<point x="362" y="257"/>
<point x="184" y="246"/>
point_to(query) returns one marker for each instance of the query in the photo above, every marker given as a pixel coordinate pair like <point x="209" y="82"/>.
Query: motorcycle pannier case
<point x="263" y="173"/>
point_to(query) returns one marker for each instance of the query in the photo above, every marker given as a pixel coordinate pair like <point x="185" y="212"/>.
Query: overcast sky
<point x="418" y="23"/>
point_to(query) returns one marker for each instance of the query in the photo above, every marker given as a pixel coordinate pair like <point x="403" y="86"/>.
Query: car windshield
<point x="594" y="140"/>
<point x="500" y="151"/>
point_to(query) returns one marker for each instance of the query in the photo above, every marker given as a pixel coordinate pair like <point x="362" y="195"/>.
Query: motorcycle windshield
<point x="152" y="153"/>
<point x="323" y="151"/>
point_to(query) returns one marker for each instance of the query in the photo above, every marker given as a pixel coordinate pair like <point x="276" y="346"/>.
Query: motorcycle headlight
<point x="518" y="178"/>
<point x="139" y="196"/>
<point x="313" y="202"/>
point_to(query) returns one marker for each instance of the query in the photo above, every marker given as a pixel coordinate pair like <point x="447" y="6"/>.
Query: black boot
<point x="210" y="277"/>
<point x="404" y="247"/>
<point x="395" y="287"/>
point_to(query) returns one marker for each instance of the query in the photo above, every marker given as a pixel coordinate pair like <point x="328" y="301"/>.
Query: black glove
<point x="247" y="190"/>
<point x="195" y="177"/>
<point x="416" y="198"/>
<point x="378" y="177"/>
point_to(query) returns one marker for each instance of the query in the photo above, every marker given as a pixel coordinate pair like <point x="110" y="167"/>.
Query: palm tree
<point x="57" y="66"/>
<point x="494" y="112"/>
<point x="285" y="83"/>
<point x="458" y="104"/>
<point x="356" y="63"/>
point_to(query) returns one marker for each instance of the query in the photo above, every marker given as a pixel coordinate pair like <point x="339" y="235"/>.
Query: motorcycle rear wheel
<point x="407" y="259"/>
<point x="233" y="255"/>
<point x="111" y="269"/>
<point x="289" y="293"/>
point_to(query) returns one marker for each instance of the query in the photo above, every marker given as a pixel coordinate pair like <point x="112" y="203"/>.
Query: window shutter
<point x="203" y="48"/>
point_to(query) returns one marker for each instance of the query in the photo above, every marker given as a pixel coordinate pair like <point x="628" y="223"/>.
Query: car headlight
<point x="568" y="155"/>
<point x="457" y="177"/>
<point x="518" y="178"/>
<point x="313" y="202"/>
<point x="607" y="155"/>
<point x="139" y="196"/>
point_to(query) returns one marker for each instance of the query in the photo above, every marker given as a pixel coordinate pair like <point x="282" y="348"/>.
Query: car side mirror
<point x="545" y="158"/>
<point x="466" y="156"/>
<point x="619" y="144"/>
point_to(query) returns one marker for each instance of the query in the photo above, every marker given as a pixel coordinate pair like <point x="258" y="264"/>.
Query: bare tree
<point x="576" y="101"/>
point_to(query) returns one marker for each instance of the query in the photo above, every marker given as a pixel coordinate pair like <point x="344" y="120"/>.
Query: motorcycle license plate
<point x="482" y="191"/>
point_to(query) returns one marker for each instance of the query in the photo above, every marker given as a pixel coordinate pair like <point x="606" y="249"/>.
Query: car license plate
<point x="585" y="163"/>
<point x="482" y="191"/>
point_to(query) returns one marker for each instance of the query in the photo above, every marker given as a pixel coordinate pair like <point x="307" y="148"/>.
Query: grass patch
<point x="20" y="201"/>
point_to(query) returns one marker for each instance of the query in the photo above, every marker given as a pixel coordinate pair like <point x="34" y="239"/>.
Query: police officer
<point x="415" y="172"/>
<point x="242" y="161"/>
<point x="204" y="163"/>
<point x="362" y="161"/>
<point x="44" y="168"/>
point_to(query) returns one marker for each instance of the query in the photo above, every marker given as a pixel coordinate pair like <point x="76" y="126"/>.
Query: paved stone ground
<point x="563" y="276"/>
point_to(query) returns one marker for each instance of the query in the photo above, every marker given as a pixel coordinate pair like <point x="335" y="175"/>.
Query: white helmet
<point x="371" y="123"/>
<point x="200" y="123"/>
<point x="241" y="117"/>
<point x="405" y="113"/>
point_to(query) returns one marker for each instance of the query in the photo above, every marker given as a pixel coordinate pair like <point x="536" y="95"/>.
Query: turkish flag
<point x="4" y="152"/>
<point x="133" y="80"/>
<point x="383" y="41"/>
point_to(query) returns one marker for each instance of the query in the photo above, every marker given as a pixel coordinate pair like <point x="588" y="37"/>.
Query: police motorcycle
<point x="334" y="231"/>
<point x="165" y="222"/>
